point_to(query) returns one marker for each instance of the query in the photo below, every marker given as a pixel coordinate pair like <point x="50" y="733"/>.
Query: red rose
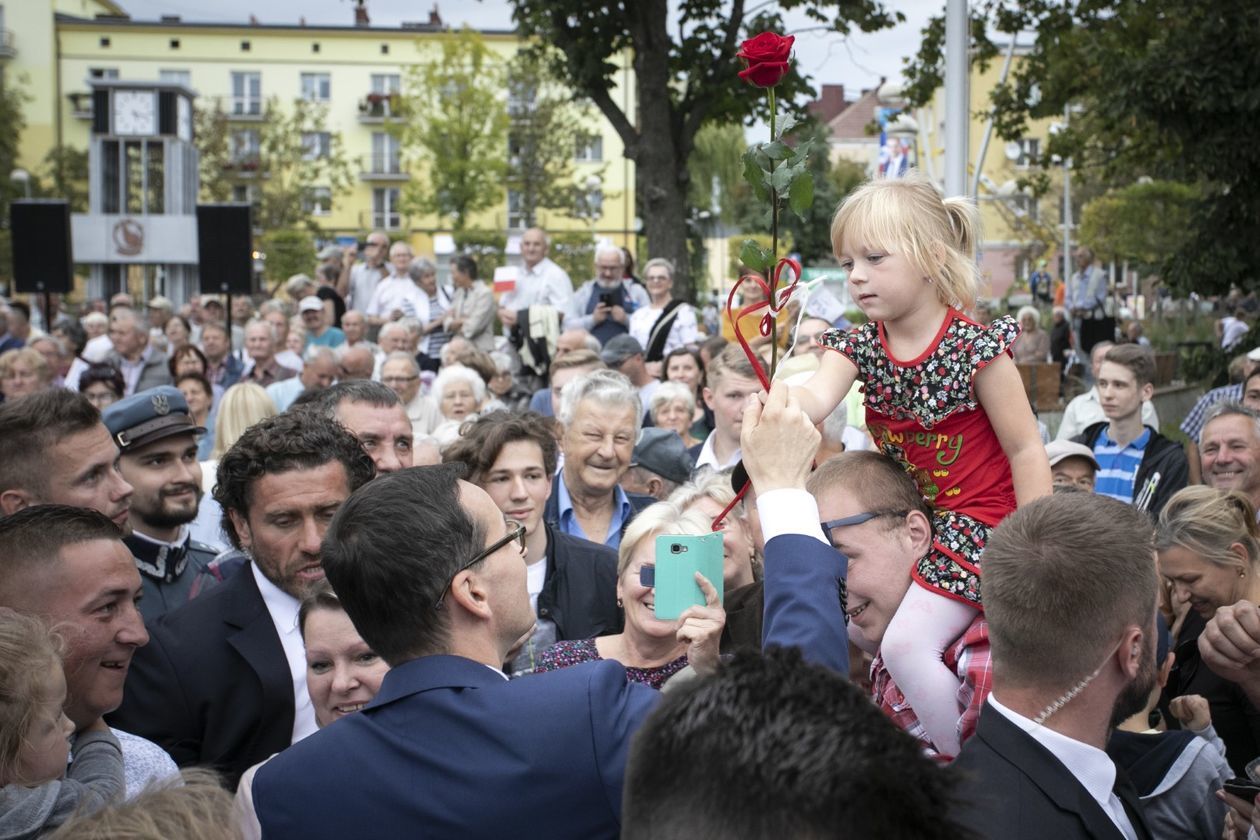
<point x="766" y="59"/>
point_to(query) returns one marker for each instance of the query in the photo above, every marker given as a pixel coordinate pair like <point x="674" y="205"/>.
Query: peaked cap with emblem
<point x="147" y="416"/>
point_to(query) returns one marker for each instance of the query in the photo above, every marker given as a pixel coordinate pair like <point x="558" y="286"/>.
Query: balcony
<point x="243" y="167"/>
<point x="245" y="109"/>
<point x="371" y="220"/>
<point x="376" y="108"/>
<point x="81" y="104"/>
<point x="7" y="50"/>
<point x="382" y="167"/>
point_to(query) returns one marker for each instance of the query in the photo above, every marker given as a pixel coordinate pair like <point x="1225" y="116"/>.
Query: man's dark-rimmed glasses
<point x="858" y="519"/>
<point x="516" y="531"/>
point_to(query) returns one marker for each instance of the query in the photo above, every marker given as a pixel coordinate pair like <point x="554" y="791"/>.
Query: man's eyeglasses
<point x="516" y="531"/>
<point x="398" y="380"/>
<point x="858" y="519"/>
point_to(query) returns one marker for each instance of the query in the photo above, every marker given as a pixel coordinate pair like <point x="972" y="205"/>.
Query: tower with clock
<point x="141" y="229"/>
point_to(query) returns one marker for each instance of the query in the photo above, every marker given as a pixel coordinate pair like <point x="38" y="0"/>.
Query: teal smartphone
<point x="678" y="558"/>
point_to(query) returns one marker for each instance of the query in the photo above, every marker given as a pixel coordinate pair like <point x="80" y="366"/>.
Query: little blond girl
<point x="944" y="399"/>
<point x="34" y="733"/>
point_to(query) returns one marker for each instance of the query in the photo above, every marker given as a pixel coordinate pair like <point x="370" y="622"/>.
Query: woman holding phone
<point x="651" y="649"/>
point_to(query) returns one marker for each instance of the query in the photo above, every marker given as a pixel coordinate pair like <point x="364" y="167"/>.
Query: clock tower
<point x="141" y="228"/>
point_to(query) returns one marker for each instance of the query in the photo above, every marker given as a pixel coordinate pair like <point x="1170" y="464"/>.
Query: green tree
<point x="288" y="252"/>
<point x="546" y="127"/>
<point x="12" y="123"/>
<point x="1144" y="223"/>
<point x="292" y="166"/>
<point x="212" y="135"/>
<point x="715" y="171"/>
<point x="683" y="80"/>
<point x="454" y="125"/>
<point x="64" y="174"/>
<point x="1157" y="88"/>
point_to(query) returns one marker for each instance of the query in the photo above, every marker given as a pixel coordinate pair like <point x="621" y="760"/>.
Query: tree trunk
<point x="660" y="166"/>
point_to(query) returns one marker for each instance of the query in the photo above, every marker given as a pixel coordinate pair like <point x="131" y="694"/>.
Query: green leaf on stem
<point x="755" y="175"/>
<point x="777" y="150"/>
<point x="786" y="123"/>
<point x="754" y="256"/>
<point x="781" y="178"/>
<point x="801" y="194"/>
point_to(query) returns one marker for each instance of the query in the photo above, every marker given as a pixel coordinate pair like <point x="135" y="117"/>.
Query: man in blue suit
<point x="433" y="580"/>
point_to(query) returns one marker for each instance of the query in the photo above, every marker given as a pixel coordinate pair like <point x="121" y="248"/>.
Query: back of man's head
<point x="31" y="541"/>
<point x="30" y="427"/>
<point x="1063" y="577"/>
<point x="390" y="552"/>
<point x="295" y="440"/>
<point x="874" y="478"/>
<point x="1137" y="358"/>
<point x="355" y="390"/>
<point x="772" y="747"/>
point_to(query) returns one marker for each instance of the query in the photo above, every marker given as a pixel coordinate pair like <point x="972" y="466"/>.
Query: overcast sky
<point x="857" y="62"/>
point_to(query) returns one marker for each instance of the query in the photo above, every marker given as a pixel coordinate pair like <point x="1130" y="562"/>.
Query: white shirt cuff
<point x="789" y="511"/>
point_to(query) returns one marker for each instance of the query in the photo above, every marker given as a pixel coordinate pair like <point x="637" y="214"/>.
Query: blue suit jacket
<point x="449" y="748"/>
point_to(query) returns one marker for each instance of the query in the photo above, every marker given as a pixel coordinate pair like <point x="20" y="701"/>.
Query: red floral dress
<point x="924" y="414"/>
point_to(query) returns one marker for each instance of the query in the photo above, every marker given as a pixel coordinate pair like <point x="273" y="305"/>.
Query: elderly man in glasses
<point x="435" y="581"/>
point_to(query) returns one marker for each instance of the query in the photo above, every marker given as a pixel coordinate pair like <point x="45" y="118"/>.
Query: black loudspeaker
<point x="42" y="258"/>
<point x="225" y="249"/>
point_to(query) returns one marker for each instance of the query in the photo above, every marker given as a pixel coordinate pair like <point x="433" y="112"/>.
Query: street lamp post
<point x="21" y="176"/>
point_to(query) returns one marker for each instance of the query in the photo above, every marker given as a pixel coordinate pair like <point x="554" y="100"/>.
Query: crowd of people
<point x="379" y="554"/>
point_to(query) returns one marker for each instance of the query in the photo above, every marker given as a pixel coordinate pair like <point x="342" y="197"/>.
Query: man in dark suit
<point x="1069" y="592"/>
<point x="449" y="747"/>
<point x="222" y="681"/>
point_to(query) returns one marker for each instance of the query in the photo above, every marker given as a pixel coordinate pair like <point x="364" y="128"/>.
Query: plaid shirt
<point x="1193" y="424"/>
<point x="969" y="658"/>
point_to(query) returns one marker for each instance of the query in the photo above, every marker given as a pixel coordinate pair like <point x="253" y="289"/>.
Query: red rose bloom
<point x="766" y="58"/>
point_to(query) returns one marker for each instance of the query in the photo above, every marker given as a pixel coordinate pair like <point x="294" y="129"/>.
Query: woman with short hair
<point x="651" y="649"/>
<point x="666" y="323"/>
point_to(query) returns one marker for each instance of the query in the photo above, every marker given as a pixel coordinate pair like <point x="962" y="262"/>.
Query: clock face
<point x="135" y="112"/>
<point x="183" y="121"/>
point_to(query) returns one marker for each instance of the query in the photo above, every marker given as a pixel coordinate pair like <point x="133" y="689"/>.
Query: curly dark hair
<point x="295" y="440"/>
<point x="106" y="374"/>
<point x="481" y="441"/>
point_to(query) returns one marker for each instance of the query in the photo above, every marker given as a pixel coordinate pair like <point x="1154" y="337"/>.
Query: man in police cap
<point x="157" y="440"/>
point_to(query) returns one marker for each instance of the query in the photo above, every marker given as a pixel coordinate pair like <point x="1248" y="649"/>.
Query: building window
<point x="386" y="83"/>
<point x="316" y="145"/>
<point x="104" y="42"/>
<point x="315" y="47"/>
<point x="103" y="72"/>
<point x="247" y="93"/>
<point x="384" y="49"/>
<point x="246" y="144"/>
<point x="1029" y="152"/>
<point x="174" y="43"/>
<point x="176" y="77"/>
<point x="318" y="202"/>
<point x="385" y="208"/>
<point x="1027" y="208"/>
<point x="316" y="87"/>
<point x="243" y="193"/>
<point x="386" y="155"/>
<point x="245" y="46"/>
<point x="521" y="96"/>
<point x="590" y="148"/>
<point x="516" y="217"/>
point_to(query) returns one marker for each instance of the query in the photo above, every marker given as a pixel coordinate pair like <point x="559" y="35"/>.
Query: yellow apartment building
<point x="53" y="48"/>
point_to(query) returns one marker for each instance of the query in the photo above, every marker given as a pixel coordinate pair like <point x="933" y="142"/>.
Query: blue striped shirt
<point x="1118" y="465"/>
